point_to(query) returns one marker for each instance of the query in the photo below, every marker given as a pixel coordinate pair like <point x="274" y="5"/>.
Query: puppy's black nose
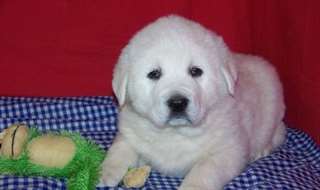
<point x="177" y="103"/>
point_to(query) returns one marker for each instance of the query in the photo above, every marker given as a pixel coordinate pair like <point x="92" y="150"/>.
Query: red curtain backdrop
<point x="69" y="47"/>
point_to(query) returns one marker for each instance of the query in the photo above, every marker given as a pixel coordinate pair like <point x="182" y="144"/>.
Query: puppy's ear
<point x="120" y="78"/>
<point x="229" y="74"/>
<point x="228" y="69"/>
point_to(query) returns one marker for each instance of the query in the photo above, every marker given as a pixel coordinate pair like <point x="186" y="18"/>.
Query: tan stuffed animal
<point x="46" y="150"/>
<point x="28" y="152"/>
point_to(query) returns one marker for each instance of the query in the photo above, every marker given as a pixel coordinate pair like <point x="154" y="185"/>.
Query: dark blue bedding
<point x="295" y="165"/>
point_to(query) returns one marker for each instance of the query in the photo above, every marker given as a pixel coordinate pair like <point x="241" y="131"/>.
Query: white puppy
<point x="191" y="107"/>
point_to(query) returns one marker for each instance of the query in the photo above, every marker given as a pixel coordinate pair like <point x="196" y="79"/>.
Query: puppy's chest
<point x="168" y="152"/>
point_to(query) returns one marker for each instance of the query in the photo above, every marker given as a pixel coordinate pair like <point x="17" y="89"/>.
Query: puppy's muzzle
<point x="177" y="104"/>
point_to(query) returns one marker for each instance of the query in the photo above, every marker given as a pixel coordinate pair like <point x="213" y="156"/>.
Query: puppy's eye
<point x="195" y="71"/>
<point x="155" y="74"/>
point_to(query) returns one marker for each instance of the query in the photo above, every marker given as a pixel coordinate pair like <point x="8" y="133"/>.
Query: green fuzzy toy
<point x="26" y="152"/>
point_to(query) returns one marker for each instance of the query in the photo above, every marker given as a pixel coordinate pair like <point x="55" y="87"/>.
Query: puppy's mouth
<point x="179" y="120"/>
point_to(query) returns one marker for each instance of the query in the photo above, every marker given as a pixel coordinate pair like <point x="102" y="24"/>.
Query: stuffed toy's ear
<point x="120" y="79"/>
<point x="13" y="140"/>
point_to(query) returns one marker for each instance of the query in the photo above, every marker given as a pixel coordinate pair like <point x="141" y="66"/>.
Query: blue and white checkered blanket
<point x="296" y="165"/>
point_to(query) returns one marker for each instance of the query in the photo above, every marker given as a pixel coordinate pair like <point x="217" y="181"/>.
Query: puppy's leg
<point x="213" y="172"/>
<point x="278" y="138"/>
<point x="279" y="135"/>
<point x="120" y="157"/>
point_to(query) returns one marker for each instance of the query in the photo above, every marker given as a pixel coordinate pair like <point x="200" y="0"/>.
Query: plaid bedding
<point x="296" y="165"/>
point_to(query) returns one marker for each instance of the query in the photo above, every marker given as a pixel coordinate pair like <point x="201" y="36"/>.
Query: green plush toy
<point x="25" y="151"/>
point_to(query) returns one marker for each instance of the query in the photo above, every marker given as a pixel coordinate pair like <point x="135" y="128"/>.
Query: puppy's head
<point x="173" y="71"/>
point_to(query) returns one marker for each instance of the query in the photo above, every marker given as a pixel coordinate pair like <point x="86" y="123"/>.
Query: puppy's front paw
<point x="195" y="186"/>
<point x="112" y="172"/>
<point x="192" y="188"/>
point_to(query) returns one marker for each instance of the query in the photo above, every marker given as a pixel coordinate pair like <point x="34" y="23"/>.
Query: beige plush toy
<point x="46" y="150"/>
<point x="25" y="151"/>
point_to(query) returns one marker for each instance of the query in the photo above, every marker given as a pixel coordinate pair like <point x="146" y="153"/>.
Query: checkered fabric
<point x="295" y="165"/>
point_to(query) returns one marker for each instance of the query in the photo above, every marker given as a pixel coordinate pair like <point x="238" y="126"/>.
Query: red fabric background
<point x="69" y="47"/>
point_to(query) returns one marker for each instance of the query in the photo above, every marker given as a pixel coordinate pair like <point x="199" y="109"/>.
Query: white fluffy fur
<point x="236" y="107"/>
